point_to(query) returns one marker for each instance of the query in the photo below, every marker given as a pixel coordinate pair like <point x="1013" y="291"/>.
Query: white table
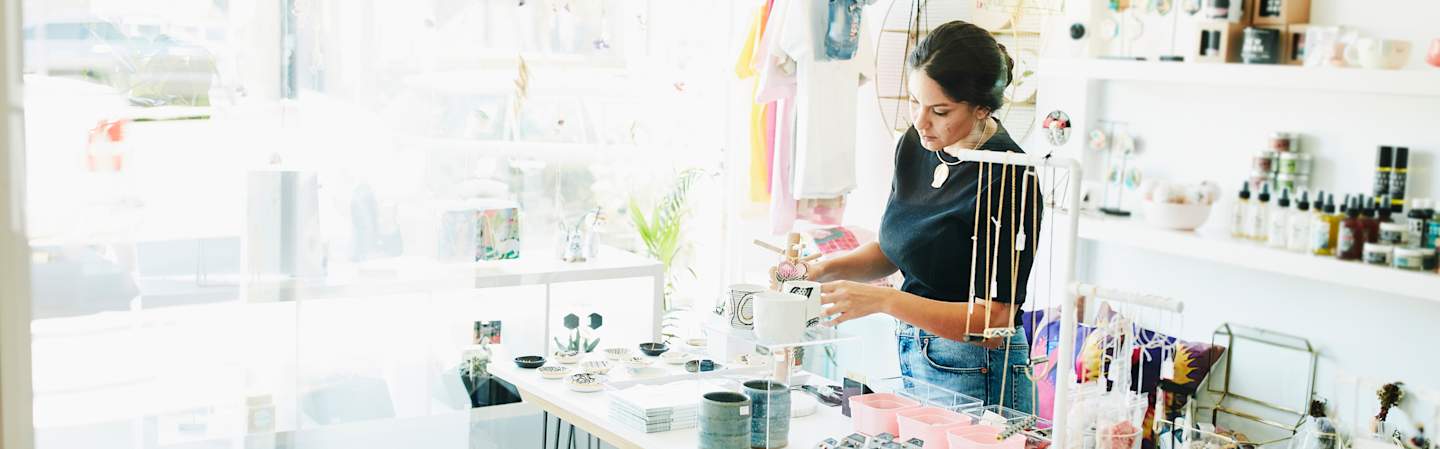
<point x="590" y="411"/>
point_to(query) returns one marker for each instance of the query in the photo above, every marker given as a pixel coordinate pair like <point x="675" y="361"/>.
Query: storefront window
<point x="221" y="192"/>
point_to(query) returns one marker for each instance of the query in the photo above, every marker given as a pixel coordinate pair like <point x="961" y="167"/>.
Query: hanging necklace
<point x="942" y="170"/>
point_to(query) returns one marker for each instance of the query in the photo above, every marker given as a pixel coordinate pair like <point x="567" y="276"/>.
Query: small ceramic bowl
<point x="636" y="362"/>
<point x="701" y="365"/>
<point x="567" y="357"/>
<point x="585" y="382"/>
<point x="696" y="343"/>
<point x="596" y="367"/>
<point x="529" y="361"/>
<point x="674" y="357"/>
<point x="553" y="372"/>
<point x="616" y="353"/>
<point x="654" y="349"/>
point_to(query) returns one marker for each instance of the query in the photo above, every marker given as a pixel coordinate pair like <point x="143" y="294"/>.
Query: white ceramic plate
<point x="567" y="357"/>
<point x="585" y="382"/>
<point x="553" y="372"/>
<point x="635" y="362"/>
<point x="674" y="357"/>
<point x="596" y="367"/>
<point x="616" y="353"/>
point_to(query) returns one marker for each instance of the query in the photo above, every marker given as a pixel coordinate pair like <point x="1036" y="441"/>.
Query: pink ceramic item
<point x="874" y="413"/>
<point x="1434" y="56"/>
<point x="929" y="424"/>
<point x="981" y="437"/>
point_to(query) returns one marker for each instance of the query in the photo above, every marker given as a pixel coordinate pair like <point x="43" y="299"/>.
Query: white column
<point x="16" y="424"/>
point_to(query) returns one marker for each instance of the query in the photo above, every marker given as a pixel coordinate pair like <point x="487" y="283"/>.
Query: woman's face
<point x="940" y="121"/>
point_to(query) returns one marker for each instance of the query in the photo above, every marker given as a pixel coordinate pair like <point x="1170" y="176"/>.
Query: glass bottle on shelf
<point x="1324" y="229"/>
<point x="1240" y="221"/>
<point x="1351" y="234"/>
<point x="1260" y="219"/>
<point x="1278" y="231"/>
<point x="1299" y="227"/>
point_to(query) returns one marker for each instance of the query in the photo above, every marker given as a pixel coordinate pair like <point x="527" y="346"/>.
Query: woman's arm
<point x="953" y="320"/>
<point x="865" y="264"/>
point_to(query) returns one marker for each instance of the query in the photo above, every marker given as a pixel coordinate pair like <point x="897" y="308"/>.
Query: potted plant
<point x="661" y="232"/>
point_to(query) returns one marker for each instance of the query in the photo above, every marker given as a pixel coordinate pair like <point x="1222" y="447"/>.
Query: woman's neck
<point x="975" y="141"/>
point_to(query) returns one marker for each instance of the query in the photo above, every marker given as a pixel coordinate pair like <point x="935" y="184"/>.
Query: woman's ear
<point x="982" y="113"/>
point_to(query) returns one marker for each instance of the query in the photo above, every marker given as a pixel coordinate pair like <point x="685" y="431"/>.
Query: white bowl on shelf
<point x="1180" y="217"/>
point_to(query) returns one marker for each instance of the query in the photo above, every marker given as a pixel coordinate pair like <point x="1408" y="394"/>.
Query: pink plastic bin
<point x="981" y="437"/>
<point x="874" y="413"/>
<point x="929" y="425"/>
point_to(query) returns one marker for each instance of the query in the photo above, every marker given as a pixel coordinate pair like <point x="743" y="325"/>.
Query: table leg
<point x="544" y="428"/>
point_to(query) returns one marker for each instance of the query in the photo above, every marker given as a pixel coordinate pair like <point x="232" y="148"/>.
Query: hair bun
<point x="1009" y="62"/>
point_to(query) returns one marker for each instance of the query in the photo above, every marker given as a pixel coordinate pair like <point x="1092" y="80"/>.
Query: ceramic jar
<point x="769" y="414"/>
<point x="779" y="318"/>
<point x="725" y="421"/>
<point x="740" y="305"/>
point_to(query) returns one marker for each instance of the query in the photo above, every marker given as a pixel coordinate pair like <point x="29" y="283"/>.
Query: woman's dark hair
<point x="967" y="62"/>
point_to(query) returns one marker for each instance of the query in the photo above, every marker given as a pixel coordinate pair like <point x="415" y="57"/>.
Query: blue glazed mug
<point x="725" y="421"/>
<point x="769" y="414"/>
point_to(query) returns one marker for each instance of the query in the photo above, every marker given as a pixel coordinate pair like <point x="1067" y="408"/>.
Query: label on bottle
<point x="1277" y="230"/>
<point x="1346" y="243"/>
<point x="1319" y="236"/>
<point x="1382" y="181"/>
<point x="1397" y="186"/>
<point x="1257" y="228"/>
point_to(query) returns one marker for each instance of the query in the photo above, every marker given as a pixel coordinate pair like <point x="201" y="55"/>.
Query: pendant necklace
<point x="942" y="170"/>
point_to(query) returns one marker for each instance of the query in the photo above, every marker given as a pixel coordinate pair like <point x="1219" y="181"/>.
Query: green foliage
<point x="661" y="229"/>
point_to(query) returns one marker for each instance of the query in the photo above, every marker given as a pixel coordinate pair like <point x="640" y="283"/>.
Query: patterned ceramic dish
<point x="596" y="367"/>
<point x="654" y="349"/>
<point x="553" y="372"/>
<point x="636" y="362"/>
<point x="617" y="353"/>
<point x="529" y="361"/>
<point x="585" y="382"/>
<point x="675" y="357"/>
<point x="748" y="360"/>
<point x="567" y="357"/>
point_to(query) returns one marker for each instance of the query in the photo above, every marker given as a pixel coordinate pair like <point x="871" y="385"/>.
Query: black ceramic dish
<point x="701" y="365"/>
<point x="654" y="349"/>
<point x="529" y="361"/>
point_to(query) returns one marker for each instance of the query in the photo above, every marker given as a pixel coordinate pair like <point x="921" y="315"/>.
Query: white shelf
<point x="1416" y="82"/>
<point x="1230" y="251"/>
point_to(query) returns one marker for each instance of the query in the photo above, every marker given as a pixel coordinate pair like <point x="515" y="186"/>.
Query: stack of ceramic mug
<point x="776" y="317"/>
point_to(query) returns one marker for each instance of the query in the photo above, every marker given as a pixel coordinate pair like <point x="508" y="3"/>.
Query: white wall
<point x="15" y="414"/>
<point x="1190" y="133"/>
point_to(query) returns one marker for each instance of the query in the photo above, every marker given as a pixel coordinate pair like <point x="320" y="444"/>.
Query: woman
<point x="929" y="230"/>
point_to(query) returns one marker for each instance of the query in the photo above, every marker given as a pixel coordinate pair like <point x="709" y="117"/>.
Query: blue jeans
<point x="968" y="368"/>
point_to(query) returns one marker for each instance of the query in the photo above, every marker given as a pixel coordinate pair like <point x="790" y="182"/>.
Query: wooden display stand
<point x="1215" y="41"/>
<point x="1280" y="12"/>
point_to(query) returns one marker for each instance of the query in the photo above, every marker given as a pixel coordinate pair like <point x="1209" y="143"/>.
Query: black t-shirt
<point x="927" y="232"/>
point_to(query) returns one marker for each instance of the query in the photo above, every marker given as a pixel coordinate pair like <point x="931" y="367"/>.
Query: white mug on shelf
<point x="739" y="307"/>
<point x="1375" y="53"/>
<point x="779" y="317"/>
<point x="811" y="291"/>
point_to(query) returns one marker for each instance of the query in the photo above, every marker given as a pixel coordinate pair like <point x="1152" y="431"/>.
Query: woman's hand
<point x="814" y="271"/>
<point x="849" y="300"/>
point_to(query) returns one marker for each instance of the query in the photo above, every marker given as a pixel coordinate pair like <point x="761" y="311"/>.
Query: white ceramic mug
<point x="811" y="291"/>
<point x="740" y="305"/>
<point x="779" y="317"/>
<point x="1373" y="53"/>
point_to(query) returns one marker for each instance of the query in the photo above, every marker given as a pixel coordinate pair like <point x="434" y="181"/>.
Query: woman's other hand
<point x="848" y="300"/>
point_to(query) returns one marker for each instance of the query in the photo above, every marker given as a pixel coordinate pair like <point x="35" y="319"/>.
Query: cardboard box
<point x="1280" y="12"/>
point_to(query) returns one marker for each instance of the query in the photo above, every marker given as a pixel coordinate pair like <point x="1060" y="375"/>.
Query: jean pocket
<point x="954" y="356"/>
